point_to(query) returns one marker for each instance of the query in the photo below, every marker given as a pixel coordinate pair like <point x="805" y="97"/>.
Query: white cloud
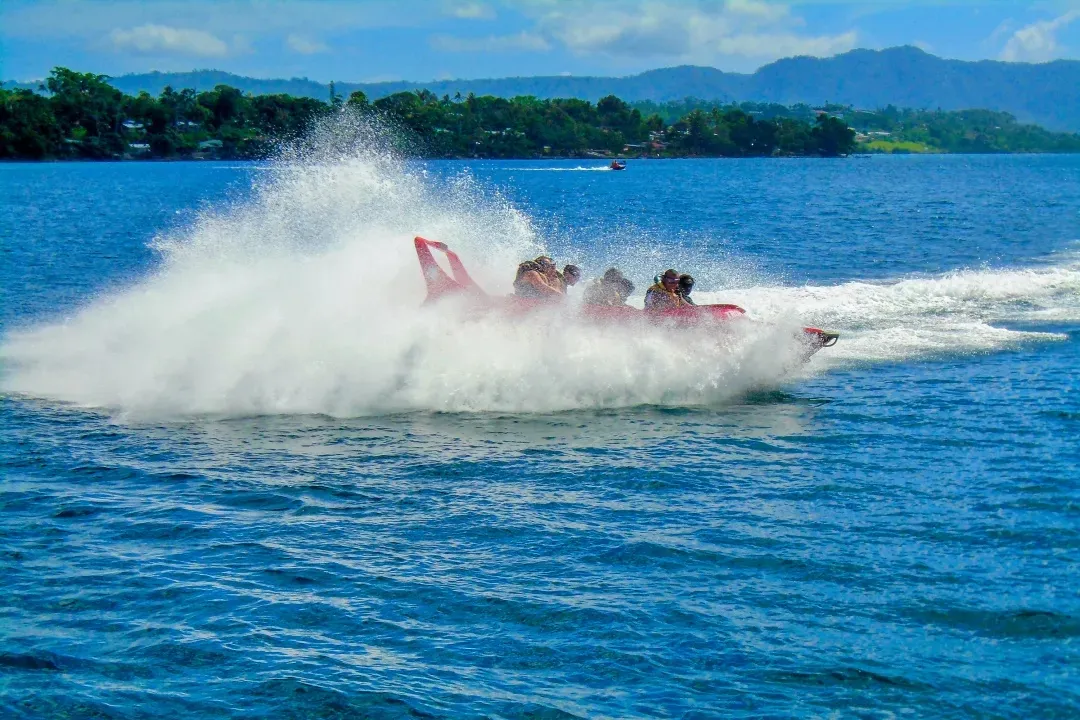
<point x="522" y="42"/>
<point x="161" y="39"/>
<point x="305" y="45"/>
<point x="768" y="12"/>
<point x="688" y="31"/>
<point x="1037" y="42"/>
<point x="775" y="45"/>
<point x="471" y="11"/>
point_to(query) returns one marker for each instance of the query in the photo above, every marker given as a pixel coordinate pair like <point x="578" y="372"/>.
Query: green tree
<point x="28" y="127"/>
<point x="833" y="137"/>
<point x="358" y="101"/>
<point x="88" y="109"/>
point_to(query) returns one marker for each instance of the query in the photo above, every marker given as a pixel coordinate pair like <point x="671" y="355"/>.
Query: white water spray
<point x="306" y="299"/>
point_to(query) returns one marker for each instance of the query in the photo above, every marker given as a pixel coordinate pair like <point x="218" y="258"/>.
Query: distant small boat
<point x="616" y="165"/>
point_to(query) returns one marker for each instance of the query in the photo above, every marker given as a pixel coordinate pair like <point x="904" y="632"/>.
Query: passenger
<point x="550" y="272"/>
<point x="623" y="290"/>
<point x="664" y="295"/>
<point x="686" y="286"/>
<point x="598" y="292"/>
<point x="612" y="289"/>
<point x="571" y="275"/>
<point x="532" y="282"/>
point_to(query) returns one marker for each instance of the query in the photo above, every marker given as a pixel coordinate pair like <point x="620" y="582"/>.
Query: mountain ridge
<point x="1047" y="94"/>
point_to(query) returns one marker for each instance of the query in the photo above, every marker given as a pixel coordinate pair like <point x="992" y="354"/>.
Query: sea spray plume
<point x="304" y="298"/>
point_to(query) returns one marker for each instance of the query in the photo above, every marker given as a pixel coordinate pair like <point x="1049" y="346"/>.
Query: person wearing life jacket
<point x="534" y="280"/>
<point x="686" y="286"/>
<point x="664" y="294"/>
<point x="611" y="290"/>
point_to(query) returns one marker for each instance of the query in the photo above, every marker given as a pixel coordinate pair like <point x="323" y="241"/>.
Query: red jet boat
<point x="458" y="282"/>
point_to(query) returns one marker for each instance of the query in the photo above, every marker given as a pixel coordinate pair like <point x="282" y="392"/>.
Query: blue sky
<point x="436" y="39"/>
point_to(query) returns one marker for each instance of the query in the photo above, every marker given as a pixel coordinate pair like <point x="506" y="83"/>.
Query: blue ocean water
<point x="243" y="475"/>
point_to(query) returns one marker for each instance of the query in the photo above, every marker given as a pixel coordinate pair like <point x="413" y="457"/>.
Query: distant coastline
<point x="82" y="117"/>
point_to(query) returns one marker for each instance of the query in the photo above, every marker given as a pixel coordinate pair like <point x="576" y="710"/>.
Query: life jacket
<point x="658" y="297"/>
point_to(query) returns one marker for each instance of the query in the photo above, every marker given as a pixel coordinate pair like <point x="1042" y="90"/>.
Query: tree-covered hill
<point x="80" y="115"/>
<point x="1046" y="94"/>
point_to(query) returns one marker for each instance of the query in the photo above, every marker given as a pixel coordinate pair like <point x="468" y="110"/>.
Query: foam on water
<point x="957" y="312"/>
<point x="304" y="298"/>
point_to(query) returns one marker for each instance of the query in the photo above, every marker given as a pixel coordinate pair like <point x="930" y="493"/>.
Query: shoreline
<point x="635" y="159"/>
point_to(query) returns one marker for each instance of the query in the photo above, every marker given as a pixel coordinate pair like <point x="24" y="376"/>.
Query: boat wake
<point x="306" y="299"/>
<point x="579" y="168"/>
<point x="967" y="311"/>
